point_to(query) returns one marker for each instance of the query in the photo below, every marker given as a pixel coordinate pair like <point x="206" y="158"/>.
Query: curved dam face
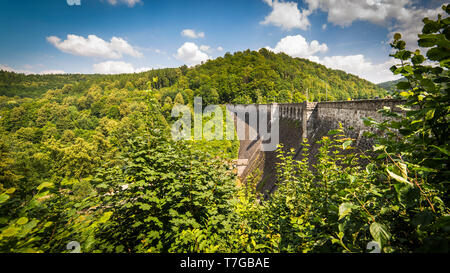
<point x="297" y="121"/>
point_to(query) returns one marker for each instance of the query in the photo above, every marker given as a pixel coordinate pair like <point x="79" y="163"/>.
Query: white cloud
<point x="112" y="67"/>
<point x="396" y="15"/>
<point x="205" y="48"/>
<point x="46" y="72"/>
<point x="190" y="33"/>
<point x="191" y="54"/>
<point x="268" y="2"/>
<point x="360" y="66"/>
<point x="117" y="67"/>
<point x="130" y="3"/>
<point x="411" y="25"/>
<point x="93" y="46"/>
<point x="208" y="49"/>
<point x="286" y="15"/>
<point x="142" y="69"/>
<point x="297" y="46"/>
<point x="344" y="12"/>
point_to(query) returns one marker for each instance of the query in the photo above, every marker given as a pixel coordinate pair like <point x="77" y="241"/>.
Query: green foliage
<point x="263" y="76"/>
<point x="151" y="206"/>
<point x="414" y="149"/>
<point x="91" y="160"/>
<point x="425" y="128"/>
<point x="21" y="85"/>
<point x="145" y="199"/>
<point x="244" y="77"/>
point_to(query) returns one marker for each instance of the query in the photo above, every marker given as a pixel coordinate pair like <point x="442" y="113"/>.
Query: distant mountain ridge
<point x="390" y="85"/>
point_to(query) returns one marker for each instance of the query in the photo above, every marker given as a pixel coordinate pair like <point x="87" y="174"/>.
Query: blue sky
<point x="125" y="36"/>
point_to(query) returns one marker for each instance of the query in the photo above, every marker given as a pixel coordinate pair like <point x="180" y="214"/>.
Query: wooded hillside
<point x="243" y="77"/>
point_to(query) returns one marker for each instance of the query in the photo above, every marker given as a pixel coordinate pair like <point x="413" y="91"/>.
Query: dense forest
<point x="242" y="77"/>
<point x="90" y="158"/>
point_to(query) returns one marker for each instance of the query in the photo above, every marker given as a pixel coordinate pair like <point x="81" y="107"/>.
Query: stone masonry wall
<point x="312" y="121"/>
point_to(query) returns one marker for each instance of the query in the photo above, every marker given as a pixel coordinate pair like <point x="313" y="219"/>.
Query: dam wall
<point x="310" y="120"/>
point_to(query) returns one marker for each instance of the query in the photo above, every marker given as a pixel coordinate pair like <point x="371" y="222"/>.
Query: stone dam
<point x="310" y="120"/>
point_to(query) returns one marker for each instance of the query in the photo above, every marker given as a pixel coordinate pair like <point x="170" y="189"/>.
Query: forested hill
<point x="243" y="77"/>
<point x="264" y="76"/>
<point x="391" y="85"/>
<point x="13" y="84"/>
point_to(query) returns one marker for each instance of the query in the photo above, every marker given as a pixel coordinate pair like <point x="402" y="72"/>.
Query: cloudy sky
<point x="125" y="36"/>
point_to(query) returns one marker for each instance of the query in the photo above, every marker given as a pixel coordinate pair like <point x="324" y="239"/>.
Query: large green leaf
<point x="22" y="221"/>
<point x="380" y="233"/>
<point x="438" y="54"/>
<point x="441" y="149"/>
<point x="398" y="177"/>
<point x="345" y="209"/>
<point x="407" y="195"/>
<point x="45" y="185"/>
<point x="346" y="144"/>
<point x="403" y="85"/>
<point x="3" y="197"/>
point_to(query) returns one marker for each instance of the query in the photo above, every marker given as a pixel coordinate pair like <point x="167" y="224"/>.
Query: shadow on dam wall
<point x="305" y="120"/>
